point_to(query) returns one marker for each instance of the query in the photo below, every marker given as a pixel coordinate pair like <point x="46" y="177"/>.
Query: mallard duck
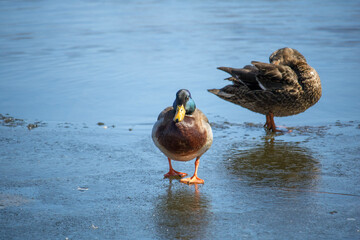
<point x="285" y="86"/>
<point x="182" y="132"/>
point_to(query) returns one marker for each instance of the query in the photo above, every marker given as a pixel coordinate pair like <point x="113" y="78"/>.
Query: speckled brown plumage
<point x="285" y="86"/>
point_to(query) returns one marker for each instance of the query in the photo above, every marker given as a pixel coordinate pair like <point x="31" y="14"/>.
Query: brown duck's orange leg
<point x="172" y="172"/>
<point x="270" y="123"/>
<point x="267" y="123"/>
<point x="194" y="178"/>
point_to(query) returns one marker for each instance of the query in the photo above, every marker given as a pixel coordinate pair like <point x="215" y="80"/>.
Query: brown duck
<point x="285" y="86"/>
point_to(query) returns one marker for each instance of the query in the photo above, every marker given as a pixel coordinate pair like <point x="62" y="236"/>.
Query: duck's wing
<point x="244" y="76"/>
<point x="198" y="114"/>
<point x="259" y="86"/>
<point x="166" y="113"/>
<point x="276" y="77"/>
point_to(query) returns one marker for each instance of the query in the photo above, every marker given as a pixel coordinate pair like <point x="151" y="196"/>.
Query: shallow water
<point x="65" y="66"/>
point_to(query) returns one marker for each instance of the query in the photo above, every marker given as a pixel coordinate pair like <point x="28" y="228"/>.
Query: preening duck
<point x="285" y="86"/>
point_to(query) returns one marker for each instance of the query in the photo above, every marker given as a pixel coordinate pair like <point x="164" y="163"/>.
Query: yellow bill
<point x="180" y="113"/>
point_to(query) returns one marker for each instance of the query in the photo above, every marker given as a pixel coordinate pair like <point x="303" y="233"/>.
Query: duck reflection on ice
<point x="274" y="163"/>
<point x="182" y="213"/>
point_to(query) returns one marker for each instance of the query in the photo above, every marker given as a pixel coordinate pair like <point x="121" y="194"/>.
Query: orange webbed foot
<point x="192" y="180"/>
<point x="173" y="173"/>
<point x="270" y="125"/>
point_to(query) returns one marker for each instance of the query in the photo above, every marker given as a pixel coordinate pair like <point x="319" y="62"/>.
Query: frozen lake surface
<point x="66" y="66"/>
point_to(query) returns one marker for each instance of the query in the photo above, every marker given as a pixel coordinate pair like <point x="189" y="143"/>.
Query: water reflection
<point x="182" y="213"/>
<point x="275" y="163"/>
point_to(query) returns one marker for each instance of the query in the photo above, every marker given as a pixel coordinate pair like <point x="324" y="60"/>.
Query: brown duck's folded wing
<point x="276" y="77"/>
<point x="245" y="75"/>
<point x="232" y="93"/>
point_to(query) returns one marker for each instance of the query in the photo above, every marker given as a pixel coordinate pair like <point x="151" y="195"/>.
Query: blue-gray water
<point x="122" y="61"/>
<point x="71" y="64"/>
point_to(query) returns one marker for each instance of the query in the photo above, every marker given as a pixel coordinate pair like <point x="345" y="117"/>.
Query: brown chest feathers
<point x="182" y="138"/>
